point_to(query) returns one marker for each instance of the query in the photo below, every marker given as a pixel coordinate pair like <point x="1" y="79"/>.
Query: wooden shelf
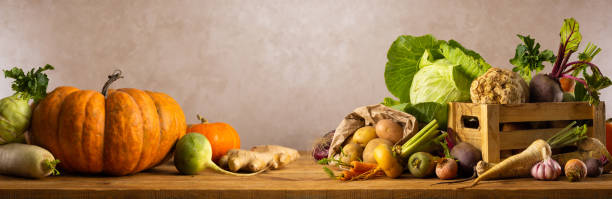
<point x="302" y="179"/>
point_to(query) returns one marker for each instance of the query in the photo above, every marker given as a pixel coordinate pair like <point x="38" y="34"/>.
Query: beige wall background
<point x="281" y="72"/>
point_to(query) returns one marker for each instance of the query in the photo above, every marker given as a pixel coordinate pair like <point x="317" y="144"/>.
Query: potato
<point x="368" y="152"/>
<point x="351" y="152"/>
<point x="389" y="130"/>
<point x="363" y="135"/>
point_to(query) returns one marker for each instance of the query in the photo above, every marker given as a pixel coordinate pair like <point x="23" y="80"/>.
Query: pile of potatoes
<point x="363" y="142"/>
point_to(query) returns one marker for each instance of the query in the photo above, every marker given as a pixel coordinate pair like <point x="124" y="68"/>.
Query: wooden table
<point x="302" y="179"/>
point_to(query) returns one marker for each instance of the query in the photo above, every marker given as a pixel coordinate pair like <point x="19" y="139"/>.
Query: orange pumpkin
<point x="222" y="136"/>
<point x="118" y="133"/>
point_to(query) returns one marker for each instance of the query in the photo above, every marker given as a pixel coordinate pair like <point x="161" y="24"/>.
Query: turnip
<point x="386" y="161"/>
<point x="422" y="164"/>
<point x="25" y="160"/>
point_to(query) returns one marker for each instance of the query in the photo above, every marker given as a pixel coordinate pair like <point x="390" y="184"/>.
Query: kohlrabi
<point x="15" y="111"/>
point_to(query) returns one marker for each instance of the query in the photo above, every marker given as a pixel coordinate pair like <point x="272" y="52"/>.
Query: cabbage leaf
<point x="425" y="74"/>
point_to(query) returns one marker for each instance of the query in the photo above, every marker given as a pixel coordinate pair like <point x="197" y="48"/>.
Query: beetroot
<point x="544" y="89"/>
<point x="321" y="146"/>
<point x="468" y="156"/>
<point x="594" y="167"/>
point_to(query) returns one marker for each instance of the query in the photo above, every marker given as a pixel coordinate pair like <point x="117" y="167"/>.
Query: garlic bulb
<point x="547" y="169"/>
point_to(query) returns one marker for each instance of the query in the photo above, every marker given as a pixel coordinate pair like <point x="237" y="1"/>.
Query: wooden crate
<point x="488" y="138"/>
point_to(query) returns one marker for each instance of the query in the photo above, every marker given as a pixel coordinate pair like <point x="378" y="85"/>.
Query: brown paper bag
<point x="369" y="115"/>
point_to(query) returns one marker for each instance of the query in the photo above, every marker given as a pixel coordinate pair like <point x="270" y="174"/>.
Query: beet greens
<point x="591" y="83"/>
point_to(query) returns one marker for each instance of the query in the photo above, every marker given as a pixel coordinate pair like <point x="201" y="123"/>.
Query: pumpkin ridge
<point x="93" y="144"/>
<point x="134" y="170"/>
<point x="84" y="131"/>
<point x="142" y="161"/>
<point x="118" y="154"/>
<point x="161" y="130"/>
<point x="159" y="154"/>
<point x="60" y="152"/>
<point x="70" y="128"/>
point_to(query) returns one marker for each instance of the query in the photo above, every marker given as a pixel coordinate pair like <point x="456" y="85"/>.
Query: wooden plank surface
<point x="302" y="179"/>
<point x="548" y="111"/>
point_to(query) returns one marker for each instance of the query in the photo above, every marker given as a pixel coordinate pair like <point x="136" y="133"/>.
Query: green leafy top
<point x="586" y="56"/>
<point x="570" y="35"/>
<point x="590" y="83"/>
<point x="32" y="85"/>
<point x="528" y="58"/>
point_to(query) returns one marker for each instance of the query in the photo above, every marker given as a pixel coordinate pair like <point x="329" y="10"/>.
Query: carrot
<point x="519" y="164"/>
<point x="361" y="167"/>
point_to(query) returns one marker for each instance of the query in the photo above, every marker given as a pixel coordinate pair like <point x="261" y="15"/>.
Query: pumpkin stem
<point x="202" y="119"/>
<point x="111" y="78"/>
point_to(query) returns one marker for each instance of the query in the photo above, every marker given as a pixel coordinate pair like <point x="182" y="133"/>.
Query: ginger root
<point x="258" y="158"/>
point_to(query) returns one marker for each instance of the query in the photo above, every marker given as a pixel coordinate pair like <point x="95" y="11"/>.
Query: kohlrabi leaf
<point x="441" y="82"/>
<point x="427" y="111"/>
<point x="570" y="35"/>
<point x="469" y="61"/>
<point x="528" y="58"/>
<point x="403" y="62"/>
<point x="31" y="85"/>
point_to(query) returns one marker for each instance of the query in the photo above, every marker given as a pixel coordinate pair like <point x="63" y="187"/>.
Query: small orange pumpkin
<point x="222" y="136"/>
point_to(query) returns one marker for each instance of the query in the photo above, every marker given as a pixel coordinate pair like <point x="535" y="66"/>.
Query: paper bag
<point x="369" y="115"/>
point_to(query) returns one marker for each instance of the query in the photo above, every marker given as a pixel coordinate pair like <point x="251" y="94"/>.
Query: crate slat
<point x="532" y="112"/>
<point x="488" y="138"/>
<point x="599" y="122"/>
<point x="522" y="138"/>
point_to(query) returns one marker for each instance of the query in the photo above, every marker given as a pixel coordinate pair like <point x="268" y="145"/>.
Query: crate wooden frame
<point x="491" y="141"/>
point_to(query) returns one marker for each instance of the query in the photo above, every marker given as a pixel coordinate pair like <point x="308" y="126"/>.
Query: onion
<point x="547" y="169"/>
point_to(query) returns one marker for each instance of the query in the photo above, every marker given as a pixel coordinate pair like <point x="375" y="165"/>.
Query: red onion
<point x="547" y="169"/>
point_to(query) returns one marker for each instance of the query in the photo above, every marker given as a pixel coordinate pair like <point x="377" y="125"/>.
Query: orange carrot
<point x="361" y="167"/>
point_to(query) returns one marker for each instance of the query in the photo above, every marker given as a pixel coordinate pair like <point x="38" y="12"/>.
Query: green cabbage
<point x="425" y="74"/>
